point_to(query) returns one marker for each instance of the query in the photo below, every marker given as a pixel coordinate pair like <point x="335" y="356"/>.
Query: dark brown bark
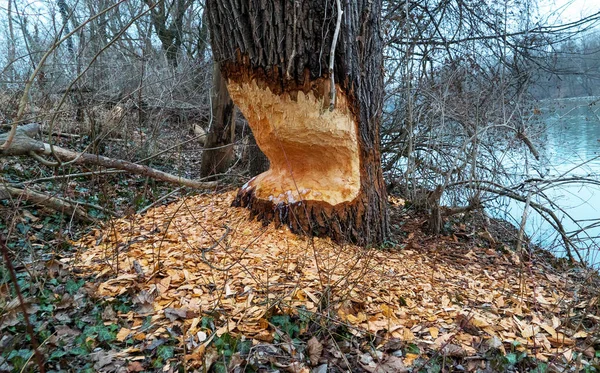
<point x="257" y="160"/>
<point x="218" y="155"/>
<point x="279" y="50"/>
<point x="169" y="34"/>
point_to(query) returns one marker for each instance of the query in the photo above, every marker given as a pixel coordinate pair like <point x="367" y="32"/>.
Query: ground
<point x="195" y="285"/>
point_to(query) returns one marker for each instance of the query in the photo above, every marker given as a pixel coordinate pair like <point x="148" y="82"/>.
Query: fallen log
<point x="24" y="144"/>
<point x="71" y="208"/>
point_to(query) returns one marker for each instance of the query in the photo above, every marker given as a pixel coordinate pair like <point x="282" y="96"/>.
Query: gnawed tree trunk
<point x="325" y="171"/>
<point x="218" y="155"/>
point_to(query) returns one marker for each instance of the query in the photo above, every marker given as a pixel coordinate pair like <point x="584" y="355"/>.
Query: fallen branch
<point x="547" y="214"/>
<point x="523" y="137"/>
<point x="98" y="160"/>
<point x="23" y="144"/>
<point x="58" y="204"/>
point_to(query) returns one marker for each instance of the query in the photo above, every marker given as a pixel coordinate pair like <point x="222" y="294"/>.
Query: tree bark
<point x="257" y="160"/>
<point x="325" y="173"/>
<point x="218" y="153"/>
<point x="170" y="35"/>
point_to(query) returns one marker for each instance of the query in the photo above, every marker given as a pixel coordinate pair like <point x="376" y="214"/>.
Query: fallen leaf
<point x="135" y="366"/>
<point x="175" y="313"/>
<point x="409" y="359"/>
<point x="109" y="314"/>
<point x="392" y="364"/>
<point x="433" y="331"/>
<point x="453" y="350"/>
<point x="560" y="340"/>
<point x="315" y="349"/>
<point x="123" y="334"/>
<point x="145" y="302"/>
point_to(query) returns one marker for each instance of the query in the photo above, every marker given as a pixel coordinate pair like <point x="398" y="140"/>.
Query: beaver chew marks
<point x="313" y="151"/>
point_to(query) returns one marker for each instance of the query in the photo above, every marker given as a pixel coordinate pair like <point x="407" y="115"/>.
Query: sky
<point x="558" y="10"/>
<point x="567" y="10"/>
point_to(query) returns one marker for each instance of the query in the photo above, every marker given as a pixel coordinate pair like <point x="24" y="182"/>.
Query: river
<point x="569" y="130"/>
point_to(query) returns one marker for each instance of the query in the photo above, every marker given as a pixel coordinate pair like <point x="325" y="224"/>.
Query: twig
<point x="293" y="55"/>
<point x="67" y="135"/>
<point x="552" y="219"/>
<point x="13" y="277"/>
<point x="332" y="55"/>
<point x="25" y="96"/>
<point x="523" y="222"/>
<point x="81" y="174"/>
<point x="144" y="209"/>
<point x="30" y="356"/>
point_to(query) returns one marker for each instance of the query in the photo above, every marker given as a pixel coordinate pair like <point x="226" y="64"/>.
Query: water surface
<point x="569" y="146"/>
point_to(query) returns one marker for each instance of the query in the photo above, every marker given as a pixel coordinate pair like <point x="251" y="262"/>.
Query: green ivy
<point x="284" y="323"/>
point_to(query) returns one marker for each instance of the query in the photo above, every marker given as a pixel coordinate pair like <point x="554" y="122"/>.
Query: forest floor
<point x="188" y="283"/>
<point x="195" y="286"/>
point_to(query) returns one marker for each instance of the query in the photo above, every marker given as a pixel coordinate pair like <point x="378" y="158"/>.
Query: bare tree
<point x="167" y="18"/>
<point x="218" y="155"/>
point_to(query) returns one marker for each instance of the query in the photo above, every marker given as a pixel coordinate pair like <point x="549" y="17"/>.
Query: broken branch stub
<point x="22" y="143"/>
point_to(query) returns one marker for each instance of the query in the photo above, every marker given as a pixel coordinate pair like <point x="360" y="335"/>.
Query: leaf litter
<point x="199" y="256"/>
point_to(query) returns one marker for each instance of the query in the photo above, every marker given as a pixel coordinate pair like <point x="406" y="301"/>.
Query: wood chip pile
<point x="199" y="256"/>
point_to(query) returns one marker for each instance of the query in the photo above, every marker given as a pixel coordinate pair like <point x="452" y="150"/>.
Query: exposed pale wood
<point x="296" y="135"/>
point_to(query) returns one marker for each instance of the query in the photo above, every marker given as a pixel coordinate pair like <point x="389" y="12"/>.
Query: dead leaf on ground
<point x="135" y="366"/>
<point x="315" y="349"/>
<point x="175" y="313"/>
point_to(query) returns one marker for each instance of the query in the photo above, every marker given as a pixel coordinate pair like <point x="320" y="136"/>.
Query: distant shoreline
<point x="580" y="98"/>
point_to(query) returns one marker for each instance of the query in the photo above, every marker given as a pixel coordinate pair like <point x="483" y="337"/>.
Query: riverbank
<point x="570" y="99"/>
<point x="194" y="284"/>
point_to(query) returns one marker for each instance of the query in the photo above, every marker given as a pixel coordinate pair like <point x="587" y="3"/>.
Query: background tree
<point x="167" y="19"/>
<point x="219" y="152"/>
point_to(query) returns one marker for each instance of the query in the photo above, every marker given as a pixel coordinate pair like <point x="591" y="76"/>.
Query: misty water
<point x="569" y="146"/>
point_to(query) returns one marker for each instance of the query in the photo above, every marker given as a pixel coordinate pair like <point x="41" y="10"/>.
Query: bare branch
<point x="332" y="54"/>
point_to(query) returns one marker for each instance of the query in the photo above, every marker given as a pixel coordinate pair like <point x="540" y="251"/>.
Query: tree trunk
<point x="170" y="35"/>
<point x="11" y="42"/>
<point x="218" y="155"/>
<point x="325" y="169"/>
<point x="257" y="160"/>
